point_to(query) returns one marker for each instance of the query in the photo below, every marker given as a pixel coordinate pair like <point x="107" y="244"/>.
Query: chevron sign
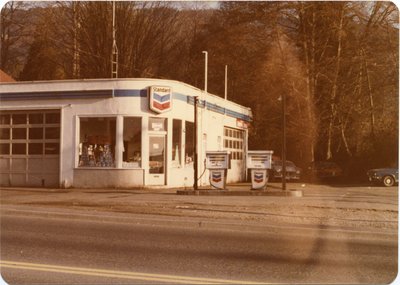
<point x="216" y="176"/>
<point x="160" y="99"/>
<point x="258" y="177"/>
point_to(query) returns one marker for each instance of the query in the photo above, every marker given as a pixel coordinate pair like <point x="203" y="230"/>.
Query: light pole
<point x="196" y="135"/>
<point x="195" y="162"/>
<point x="284" y="142"/>
<point x="199" y="129"/>
<point x="205" y="70"/>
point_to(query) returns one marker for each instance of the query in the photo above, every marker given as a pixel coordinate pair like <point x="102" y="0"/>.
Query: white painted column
<point x="119" y="143"/>
<point x="168" y="149"/>
<point x="76" y="141"/>
<point x="61" y="176"/>
<point x="145" y="148"/>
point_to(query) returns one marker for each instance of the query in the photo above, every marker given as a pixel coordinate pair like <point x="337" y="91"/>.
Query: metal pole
<point x="75" y="71"/>
<point x="195" y="186"/>
<point x="226" y="82"/>
<point x="205" y="70"/>
<point x="284" y="142"/>
<point x="114" y="55"/>
<point x="202" y="115"/>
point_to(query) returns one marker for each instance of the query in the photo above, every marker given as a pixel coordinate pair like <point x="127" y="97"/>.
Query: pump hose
<point x="204" y="171"/>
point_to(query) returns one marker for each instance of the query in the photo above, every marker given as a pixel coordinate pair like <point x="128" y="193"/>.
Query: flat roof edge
<point x="88" y="80"/>
<point x="96" y="80"/>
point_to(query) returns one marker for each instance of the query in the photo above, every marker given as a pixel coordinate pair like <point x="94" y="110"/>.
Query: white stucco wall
<point x="210" y="132"/>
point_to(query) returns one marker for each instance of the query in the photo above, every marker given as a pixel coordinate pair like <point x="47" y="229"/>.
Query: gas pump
<point x="259" y="161"/>
<point x="217" y="162"/>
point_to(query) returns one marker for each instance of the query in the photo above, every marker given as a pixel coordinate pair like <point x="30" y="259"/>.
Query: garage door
<point x="234" y="142"/>
<point x="30" y="148"/>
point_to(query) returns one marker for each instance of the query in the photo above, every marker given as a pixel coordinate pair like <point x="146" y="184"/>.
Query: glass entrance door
<point x="156" y="173"/>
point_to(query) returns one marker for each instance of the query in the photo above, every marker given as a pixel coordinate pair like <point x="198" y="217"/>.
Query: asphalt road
<point x="81" y="247"/>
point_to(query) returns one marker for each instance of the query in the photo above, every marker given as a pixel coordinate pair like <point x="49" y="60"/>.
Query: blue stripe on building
<point x="181" y="97"/>
<point x="215" y="108"/>
<point x="109" y="93"/>
<point x="56" y="95"/>
<point x="130" y="93"/>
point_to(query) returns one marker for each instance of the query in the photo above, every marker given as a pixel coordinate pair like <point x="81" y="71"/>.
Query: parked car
<point x="324" y="170"/>
<point x="292" y="171"/>
<point x="386" y="176"/>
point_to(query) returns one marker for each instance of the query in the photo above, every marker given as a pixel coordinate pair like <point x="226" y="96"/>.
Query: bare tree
<point x="13" y="35"/>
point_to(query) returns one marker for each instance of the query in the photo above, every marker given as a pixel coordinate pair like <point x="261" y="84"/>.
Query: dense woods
<point x="336" y="62"/>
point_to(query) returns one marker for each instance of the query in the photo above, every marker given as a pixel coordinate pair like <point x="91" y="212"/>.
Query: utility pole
<point x="284" y="142"/>
<point x="114" y="55"/>
<point x="195" y="162"/>
<point x="202" y="115"/>
<point x="205" y="70"/>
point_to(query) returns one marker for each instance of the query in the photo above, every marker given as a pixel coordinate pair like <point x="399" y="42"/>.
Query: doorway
<point x="156" y="175"/>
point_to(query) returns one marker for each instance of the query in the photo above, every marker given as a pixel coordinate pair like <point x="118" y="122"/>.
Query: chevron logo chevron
<point x="161" y="98"/>
<point x="258" y="177"/>
<point x="216" y="177"/>
<point x="161" y="107"/>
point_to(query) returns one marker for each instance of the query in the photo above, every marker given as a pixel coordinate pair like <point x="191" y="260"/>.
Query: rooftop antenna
<point x="114" y="55"/>
<point x="75" y="65"/>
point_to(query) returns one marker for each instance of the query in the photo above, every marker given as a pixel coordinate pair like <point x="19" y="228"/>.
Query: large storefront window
<point x="97" y="142"/>
<point x="176" y="142"/>
<point x="132" y="155"/>
<point x="189" y="142"/>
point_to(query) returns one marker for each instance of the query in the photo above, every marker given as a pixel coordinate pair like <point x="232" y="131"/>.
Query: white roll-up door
<point x="30" y="148"/>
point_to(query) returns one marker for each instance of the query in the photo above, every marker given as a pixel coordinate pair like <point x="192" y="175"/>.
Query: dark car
<point x="324" y="170"/>
<point x="386" y="176"/>
<point x="292" y="171"/>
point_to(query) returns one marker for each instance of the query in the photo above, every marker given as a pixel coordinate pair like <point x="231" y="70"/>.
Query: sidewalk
<point x="239" y="189"/>
<point x="321" y="205"/>
<point x="242" y="190"/>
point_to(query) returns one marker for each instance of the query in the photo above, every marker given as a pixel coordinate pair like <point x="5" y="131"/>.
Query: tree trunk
<point x="371" y="99"/>
<point x="310" y="80"/>
<point x="335" y="87"/>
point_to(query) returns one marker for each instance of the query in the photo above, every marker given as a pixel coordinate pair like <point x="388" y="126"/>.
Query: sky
<point x="203" y="4"/>
<point x="198" y="4"/>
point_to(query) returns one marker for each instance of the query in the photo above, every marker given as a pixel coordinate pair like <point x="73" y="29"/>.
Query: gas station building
<point x="115" y="133"/>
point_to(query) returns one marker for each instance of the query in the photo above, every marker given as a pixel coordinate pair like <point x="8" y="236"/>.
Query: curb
<point x="210" y="192"/>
